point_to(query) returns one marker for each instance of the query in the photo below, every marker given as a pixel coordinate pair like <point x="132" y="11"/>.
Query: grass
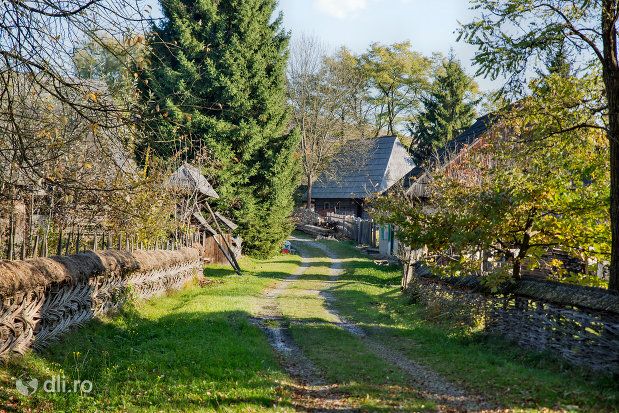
<point x="198" y="350"/>
<point x="370" y="382"/>
<point x="519" y="379"/>
<point x="194" y="350"/>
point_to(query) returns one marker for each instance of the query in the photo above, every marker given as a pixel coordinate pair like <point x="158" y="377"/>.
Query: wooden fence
<point x="579" y="324"/>
<point x="362" y="231"/>
<point x="42" y="298"/>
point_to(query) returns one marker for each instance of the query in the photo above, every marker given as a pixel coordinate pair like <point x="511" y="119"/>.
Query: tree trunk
<point x="611" y="82"/>
<point x="309" y="191"/>
<point x="516" y="268"/>
<point x="613" y="132"/>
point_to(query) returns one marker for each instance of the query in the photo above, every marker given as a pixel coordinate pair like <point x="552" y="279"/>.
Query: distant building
<point x="416" y="181"/>
<point x="363" y="169"/>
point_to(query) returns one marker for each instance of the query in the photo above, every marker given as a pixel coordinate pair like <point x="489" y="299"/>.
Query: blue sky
<point x="429" y="25"/>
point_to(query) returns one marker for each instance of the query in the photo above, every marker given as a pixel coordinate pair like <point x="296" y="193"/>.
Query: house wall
<point x="342" y="206"/>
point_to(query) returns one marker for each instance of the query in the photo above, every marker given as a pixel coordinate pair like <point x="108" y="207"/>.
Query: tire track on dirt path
<point x="310" y="392"/>
<point x="429" y="383"/>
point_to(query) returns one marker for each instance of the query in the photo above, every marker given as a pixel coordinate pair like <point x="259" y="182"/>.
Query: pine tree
<point x="217" y="81"/>
<point x="448" y="111"/>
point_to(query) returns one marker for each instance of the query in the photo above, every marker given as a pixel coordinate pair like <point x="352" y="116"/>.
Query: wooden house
<point x="364" y="169"/>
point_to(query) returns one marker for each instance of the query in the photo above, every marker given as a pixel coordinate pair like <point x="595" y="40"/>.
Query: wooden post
<point x="77" y="242"/>
<point x="30" y="233"/>
<point x="94" y="241"/>
<point x="35" y="249"/>
<point x="120" y="241"/>
<point x="66" y="249"/>
<point x="45" y="246"/>
<point x="11" y="238"/>
<point x="59" y="248"/>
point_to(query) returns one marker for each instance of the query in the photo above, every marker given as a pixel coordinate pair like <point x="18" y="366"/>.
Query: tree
<point x="398" y="76"/>
<point x="217" y="82"/>
<point x="38" y="90"/>
<point x="512" y="35"/>
<point x="112" y="60"/>
<point x="448" y="110"/>
<point x="348" y="77"/>
<point x="515" y="195"/>
<point x="316" y="107"/>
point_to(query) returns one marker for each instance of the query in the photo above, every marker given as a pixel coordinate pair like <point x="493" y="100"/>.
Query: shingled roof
<point x="416" y="178"/>
<point x="189" y="179"/>
<point x="378" y="163"/>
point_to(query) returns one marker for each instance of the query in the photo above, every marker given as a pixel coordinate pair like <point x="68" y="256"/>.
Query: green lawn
<point x="198" y="350"/>
<point x="370" y="295"/>
<point x="194" y="350"/>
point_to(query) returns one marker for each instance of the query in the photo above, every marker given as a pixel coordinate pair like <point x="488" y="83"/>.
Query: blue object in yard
<point x="287" y="248"/>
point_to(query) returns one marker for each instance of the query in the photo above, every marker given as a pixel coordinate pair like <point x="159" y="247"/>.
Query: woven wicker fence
<point x="42" y="298"/>
<point x="578" y="324"/>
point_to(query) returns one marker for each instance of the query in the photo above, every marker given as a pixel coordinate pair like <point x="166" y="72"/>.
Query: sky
<point x="430" y="25"/>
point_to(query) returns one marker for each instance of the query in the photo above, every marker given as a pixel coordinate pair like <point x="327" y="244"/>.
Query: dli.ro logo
<point x="54" y="385"/>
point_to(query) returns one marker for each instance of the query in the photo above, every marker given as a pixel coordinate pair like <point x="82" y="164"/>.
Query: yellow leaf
<point x="94" y="98"/>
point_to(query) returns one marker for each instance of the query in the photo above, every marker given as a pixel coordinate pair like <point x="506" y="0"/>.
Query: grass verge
<point x="194" y="350"/>
<point x="518" y="379"/>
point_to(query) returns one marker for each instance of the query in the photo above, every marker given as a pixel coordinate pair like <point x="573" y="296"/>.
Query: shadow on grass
<point x="474" y="359"/>
<point x="217" y="272"/>
<point x="182" y="361"/>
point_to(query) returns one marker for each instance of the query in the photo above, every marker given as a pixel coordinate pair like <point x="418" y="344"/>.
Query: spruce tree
<point x="447" y="111"/>
<point x="217" y="81"/>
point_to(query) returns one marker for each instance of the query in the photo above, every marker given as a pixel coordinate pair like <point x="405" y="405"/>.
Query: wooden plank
<point x="226" y="221"/>
<point x="212" y="250"/>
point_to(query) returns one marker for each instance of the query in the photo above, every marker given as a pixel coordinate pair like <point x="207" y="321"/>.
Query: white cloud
<point x="340" y="9"/>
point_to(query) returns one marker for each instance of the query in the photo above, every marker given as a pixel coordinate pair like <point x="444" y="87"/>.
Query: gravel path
<point x="430" y="384"/>
<point x="310" y="392"/>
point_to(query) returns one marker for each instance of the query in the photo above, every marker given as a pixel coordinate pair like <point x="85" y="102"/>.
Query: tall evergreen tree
<point x="217" y="82"/>
<point x="447" y="110"/>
